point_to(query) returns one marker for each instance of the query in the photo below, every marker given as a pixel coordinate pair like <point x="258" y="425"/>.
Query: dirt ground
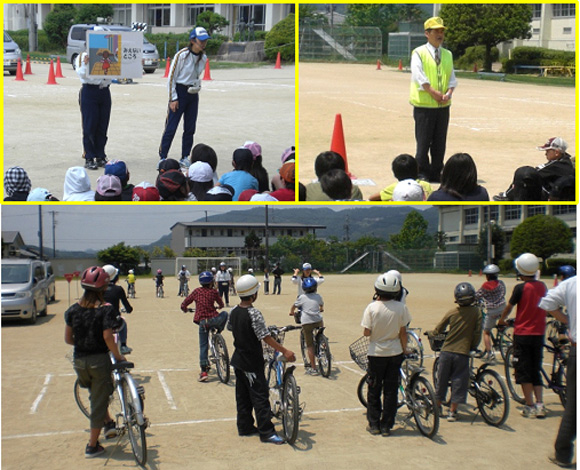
<point x="498" y="123"/>
<point x="42" y="123"/>
<point x="193" y="424"/>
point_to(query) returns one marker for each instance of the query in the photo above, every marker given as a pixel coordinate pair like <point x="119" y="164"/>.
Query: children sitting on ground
<point x="336" y="185"/>
<point x="258" y="171"/>
<point x="404" y="167"/>
<point x="40" y="195"/>
<point x="310" y="307"/>
<point x="119" y="169"/>
<point x="173" y="186"/>
<point x="145" y="191"/>
<point x="286" y="193"/>
<point x="205" y="153"/>
<point x="77" y="185"/>
<point x="325" y="162"/>
<point x="16" y="184"/>
<point x="288" y="156"/>
<point x="408" y="190"/>
<point x="200" y="179"/>
<point x="240" y="178"/>
<point x="459" y="181"/>
<point x="108" y="188"/>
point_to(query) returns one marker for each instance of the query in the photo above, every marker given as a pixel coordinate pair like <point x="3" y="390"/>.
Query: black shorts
<point x="528" y="355"/>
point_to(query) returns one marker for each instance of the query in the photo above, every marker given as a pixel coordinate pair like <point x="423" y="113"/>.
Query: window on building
<point x="452" y="239"/>
<point x="513" y="212"/>
<point x="194" y="11"/>
<point x="492" y="211"/>
<point x="567" y="31"/>
<point x="564" y="9"/>
<point x="159" y="15"/>
<point x="470" y="239"/>
<point x="471" y="216"/>
<point x="561" y="210"/>
<point x="230" y="232"/>
<point x="536" y="210"/>
<point x="535" y="31"/>
<point x="245" y="13"/>
<point x="122" y="14"/>
<point x="536" y="11"/>
<point x="289" y="232"/>
<point x="204" y="232"/>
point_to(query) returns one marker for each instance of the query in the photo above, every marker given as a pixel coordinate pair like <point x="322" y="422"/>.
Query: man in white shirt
<point x="432" y="84"/>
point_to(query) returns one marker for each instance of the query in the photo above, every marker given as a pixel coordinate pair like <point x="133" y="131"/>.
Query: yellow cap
<point x="434" y="23"/>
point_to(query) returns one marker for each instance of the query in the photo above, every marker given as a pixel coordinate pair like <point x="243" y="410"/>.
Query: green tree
<point x="498" y="240"/>
<point x="383" y="16"/>
<point x="281" y="39"/>
<point x="89" y="12"/>
<point x="413" y="234"/>
<point x="145" y="257"/>
<point x="542" y="235"/>
<point x="163" y="252"/>
<point x="484" y="25"/>
<point x="441" y="240"/>
<point x="58" y="22"/>
<point x="123" y="256"/>
<point x="212" y="22"/>
<point x="252" y="244"/>
<point x="309" y="14"/>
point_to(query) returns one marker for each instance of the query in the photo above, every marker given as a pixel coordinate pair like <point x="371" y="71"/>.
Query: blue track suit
<point x="95" y="103"/>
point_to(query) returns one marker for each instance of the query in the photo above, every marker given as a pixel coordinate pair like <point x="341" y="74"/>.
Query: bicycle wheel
<point x="492" y="397"/>
<point x="82" y="397"/>
<point x="274" y="391"/>
<point x="362" y="390"/>
<point x="506" y="339"/>
<point x="222" y="360"/>
<point x="304" y="350"/>
<point x="290" y="409"/>
<point x="511" y="378"/>
<point x="323" y="355"/>
<point x="135" y="430"/>
<point x="416" y="347"/>
<point x="424" y="406"/>
<point x="559" y="380"/>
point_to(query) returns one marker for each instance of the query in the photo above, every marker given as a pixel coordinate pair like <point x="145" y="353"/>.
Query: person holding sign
<point x="95" y="103"/>
<point x="184" y="85"/>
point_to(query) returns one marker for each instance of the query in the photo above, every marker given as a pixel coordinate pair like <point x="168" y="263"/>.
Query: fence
<point x="340" y="43"/>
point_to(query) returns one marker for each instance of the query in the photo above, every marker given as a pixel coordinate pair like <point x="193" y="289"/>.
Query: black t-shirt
<point x="88" y="325"/>
<point x="248" y="354"/>
<point x="115" y="295"/>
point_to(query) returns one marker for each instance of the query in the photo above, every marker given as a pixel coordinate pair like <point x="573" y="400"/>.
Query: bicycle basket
<point x="359" y="352"/>
<point x="436" y="341"/>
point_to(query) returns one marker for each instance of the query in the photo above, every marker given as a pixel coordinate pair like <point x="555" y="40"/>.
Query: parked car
<point x="24" y="294"/>
<point x="11" y="54"/>
<point x="77" y="38"/>
<point x="49" y="281"/>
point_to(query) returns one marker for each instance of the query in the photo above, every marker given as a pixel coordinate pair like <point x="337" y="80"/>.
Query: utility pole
<point x="32" y="28"/>
<point x="40" y="242"/>
<point x="266" y="236"/>
<point x="52" y="213"/>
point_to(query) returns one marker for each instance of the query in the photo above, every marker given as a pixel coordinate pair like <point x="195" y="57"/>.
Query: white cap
<point x="408" y="190"/>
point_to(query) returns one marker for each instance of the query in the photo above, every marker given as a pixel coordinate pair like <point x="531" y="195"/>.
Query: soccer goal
<point x="198" y="265"/>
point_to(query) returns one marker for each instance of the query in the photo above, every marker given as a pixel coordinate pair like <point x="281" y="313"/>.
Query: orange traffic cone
<point x="19" y="76"/>
<point x="400" y="65"/>
<point x="51" y="80"/>
<point x="469" y="274"/>
<point x="337" y="145"/>
<point x="475" y="67"/>
<point x="378" y="65"/>
<point x="555" y="280"/>
<point x="207" y="74"/>
<point x="278" y="63"/>
<point x="28" y="70"/>
<point x="167" y="65"/>
<point x="58" y="69"/>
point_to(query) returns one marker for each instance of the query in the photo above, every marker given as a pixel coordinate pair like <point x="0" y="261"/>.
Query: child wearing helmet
<point x="306" y="272"/>
<point x="310" y="306"/>
<point x="492" y="292"/>
<point x="223" y="279"/>
<point x="566" y="272"/>
<point x="131" y="281"/>
<point x="464" y="334"/>
<point x="159" y="277"/>
<point x="249" y="328"/>
<point x="115" y="295"/>
<point x="207" y="302"/>
<point x="89" y="328"/>
<point x="183" y="277"/>
<point x="529" y="330"/>
<point x="384" y="321"/>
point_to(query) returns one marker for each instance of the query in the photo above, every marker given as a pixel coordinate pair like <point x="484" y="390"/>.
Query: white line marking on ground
<point x="40" y="396"/>
<point x="167" y="391"/>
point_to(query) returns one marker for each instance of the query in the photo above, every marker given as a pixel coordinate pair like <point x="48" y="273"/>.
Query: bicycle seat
<point x="122" y="365"/>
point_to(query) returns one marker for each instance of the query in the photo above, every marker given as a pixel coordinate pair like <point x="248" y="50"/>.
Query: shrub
<point x="475" y="55"/>
<point x="538" y="56"/>
<point x="281" y="39"/>
<point x="175" y="41"/>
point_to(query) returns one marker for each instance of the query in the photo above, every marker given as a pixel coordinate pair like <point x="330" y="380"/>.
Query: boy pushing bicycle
<point x="206" y="316"/>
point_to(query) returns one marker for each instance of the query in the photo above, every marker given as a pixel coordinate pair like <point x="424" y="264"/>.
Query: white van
<point x="24" y="294"/>
<point x="77" y="35"/>
<point x="11" y="54"/>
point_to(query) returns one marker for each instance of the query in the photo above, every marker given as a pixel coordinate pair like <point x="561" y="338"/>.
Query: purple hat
<point x="253" y="147"/>
<point x="288" y="155"/>
<point x="109" y="185"/>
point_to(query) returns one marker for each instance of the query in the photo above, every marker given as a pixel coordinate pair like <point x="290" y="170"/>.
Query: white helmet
<point x="131" y="271"/>
<point x="397" y="274"/>
<point x="111" y="270"/>
<point x="247" y="285"/>
<point x="306" y="266"/>
<point x="527" y="264"/>
<point x="250" y="270"/>
<point x="387" y="283"/>
<point x="491" y="269"/>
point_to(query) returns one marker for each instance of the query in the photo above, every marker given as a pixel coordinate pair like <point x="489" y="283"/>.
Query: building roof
<point x="249" y="225"/>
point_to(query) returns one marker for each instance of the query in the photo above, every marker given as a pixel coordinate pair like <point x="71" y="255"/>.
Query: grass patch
<point x="519" y="78"/>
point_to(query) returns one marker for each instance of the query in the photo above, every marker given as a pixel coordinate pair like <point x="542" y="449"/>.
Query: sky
<point x="83" y="227"/>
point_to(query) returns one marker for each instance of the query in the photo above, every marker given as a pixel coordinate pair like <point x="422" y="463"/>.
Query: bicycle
<point x="415" y="391"/>
<point x="159" y="291"/>
<point x="321" y="351"/>
<point x="415" y="344"/>
<point x="284" y="392"/>
<point x="503" y="337"/>
<point x="485" y="385"/>
<point x="130" y="290"/>
<point x="556" y="381"/>
<point x="184" y="289"/>
<point x="218" y="352"/>
<point x="126" y="405"/>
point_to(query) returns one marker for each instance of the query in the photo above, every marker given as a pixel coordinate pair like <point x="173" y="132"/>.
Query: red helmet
<point x="95" y="278"/>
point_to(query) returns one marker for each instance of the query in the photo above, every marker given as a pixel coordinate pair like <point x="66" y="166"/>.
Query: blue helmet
<point x="567" y="271"/>
<point x="205" y="278"/>
<point x="309" y="284"/>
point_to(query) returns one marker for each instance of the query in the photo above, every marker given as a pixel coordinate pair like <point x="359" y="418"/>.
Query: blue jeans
<point x="218" y="322"/>
<point x="95" y="106"/>
<point x="188" y="106"/>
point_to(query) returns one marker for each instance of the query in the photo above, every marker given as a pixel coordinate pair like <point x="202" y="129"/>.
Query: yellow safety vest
<point x="438" y="76"/>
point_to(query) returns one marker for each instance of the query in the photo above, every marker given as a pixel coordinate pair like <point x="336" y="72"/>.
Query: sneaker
<point x="274" y="439"/>
<point x="452" y="416"/>
<point x="101" y="162"/>
<point x="489" y="357"/>
<point x="385" y="432"/>
<point x="540" y="410"/>
<point x="500" y="197"/>
<point x="111" y="430"/>
<point x="559" y="463"/>
<point x="311" y="371"/>
<point x="90" y="165"/>
<point x="375" y="431"/>
<point x="529" y="412"/>
<point x="184" y="162"/>
<point x="126" y="349"/>
<point x="91" y="452"/>
<point x="203" y="377"/>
